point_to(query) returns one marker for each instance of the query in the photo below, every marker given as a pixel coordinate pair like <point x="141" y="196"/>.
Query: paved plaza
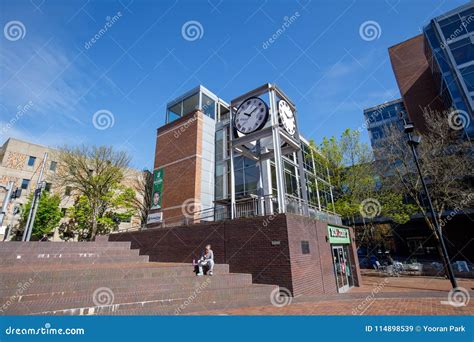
<point x="378" y="296"/>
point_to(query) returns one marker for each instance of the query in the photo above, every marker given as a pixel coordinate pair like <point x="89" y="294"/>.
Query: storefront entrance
<point x="342" y="269"/>
<point x="340" y="240"/>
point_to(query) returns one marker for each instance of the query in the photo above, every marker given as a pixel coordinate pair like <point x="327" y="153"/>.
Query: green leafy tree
<point x="119" y="208"/>
<point x="358" y="193"/>
<point x="95" y="173"/>
<point x="47" y="216"/>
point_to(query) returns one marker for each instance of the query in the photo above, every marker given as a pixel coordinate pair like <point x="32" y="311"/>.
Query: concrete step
<point x="81" y="305"/>
<point x="13" y="276"/>
<point x="85" y="288"/>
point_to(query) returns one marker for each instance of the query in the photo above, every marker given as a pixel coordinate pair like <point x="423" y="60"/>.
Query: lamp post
<point x="413" y="142"/>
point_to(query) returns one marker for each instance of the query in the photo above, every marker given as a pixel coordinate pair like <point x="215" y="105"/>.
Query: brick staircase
<point x="109" y="278"/>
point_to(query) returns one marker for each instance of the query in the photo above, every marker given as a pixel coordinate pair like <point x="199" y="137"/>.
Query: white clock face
<point x="251" y="115"/>
<point x="287" y="117"/>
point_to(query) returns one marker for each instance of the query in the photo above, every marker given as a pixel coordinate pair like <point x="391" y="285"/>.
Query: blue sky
<point x="53" y="78"/>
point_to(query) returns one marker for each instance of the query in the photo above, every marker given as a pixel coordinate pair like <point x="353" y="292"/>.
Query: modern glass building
<point x="381" y="117"/>
<point x="449" y="49"/>
<point x="202" y="117"/>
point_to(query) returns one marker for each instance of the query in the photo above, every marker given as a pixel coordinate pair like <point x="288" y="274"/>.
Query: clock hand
<point x="253" y="110"/>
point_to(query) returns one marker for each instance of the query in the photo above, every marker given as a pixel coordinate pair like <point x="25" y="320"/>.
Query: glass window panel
<point x="468" y="75"/>
<point x="219" y="145"/>
<point x="31" y="161"/>
<point x="224" y="113"/>
<point x="208" y="106"/>
<point x="463" y="51"/>
<point x="190" y="104"/>
<point x="25" y="183"/>
<point x="175" y="111"/>
<point x="453" y="29"/>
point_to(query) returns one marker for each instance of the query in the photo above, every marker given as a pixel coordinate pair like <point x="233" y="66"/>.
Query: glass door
<point x="341" y="267"/>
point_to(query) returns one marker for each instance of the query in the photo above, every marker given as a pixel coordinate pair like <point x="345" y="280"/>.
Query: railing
<point x="248" y="207"/>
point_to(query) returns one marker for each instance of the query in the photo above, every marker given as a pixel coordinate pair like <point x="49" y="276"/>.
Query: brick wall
<point x="178" y="149"/>
<point x="414" y="79"/>
<point x="268" y="247"/>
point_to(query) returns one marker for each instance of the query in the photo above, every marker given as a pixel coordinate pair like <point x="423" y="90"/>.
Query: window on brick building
<point x="67" y="191"/>
<point x="47" y="187"/>
<point x="25" y="183"/>
<point x="31" y="161"/>
<point x="53" y="166"/>
<point x="305" y="247"/>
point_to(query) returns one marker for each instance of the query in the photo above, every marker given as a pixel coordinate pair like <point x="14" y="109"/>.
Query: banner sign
<point x="155" y="217"/>
<point x="338" y="235"/>
<point x="158" y="175"/>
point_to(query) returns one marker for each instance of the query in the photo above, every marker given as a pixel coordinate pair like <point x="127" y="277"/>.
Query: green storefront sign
<point x="338" y="235"/>
<point x="157" y="189"/>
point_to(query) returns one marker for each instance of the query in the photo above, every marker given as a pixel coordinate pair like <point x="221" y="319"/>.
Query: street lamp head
<point x="414" y="141"/>
<point x="408" y="127"/>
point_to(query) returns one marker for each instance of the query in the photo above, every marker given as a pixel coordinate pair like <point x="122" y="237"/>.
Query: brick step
<point x="190" y="309"/>
<point x="70" y="290"/>
<point x="96" y="272"/>
<point x="57" y="243"/>
<point x="146" y="300"/>
<point x="67" y="254"/>
<point x="101" y="259"/>
<point x="58" y="246"/>
<point x="42" y="284"/>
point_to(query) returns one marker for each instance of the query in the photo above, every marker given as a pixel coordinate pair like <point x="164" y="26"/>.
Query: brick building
<point x="261" y="197"/>
<point x="20" y="162"/>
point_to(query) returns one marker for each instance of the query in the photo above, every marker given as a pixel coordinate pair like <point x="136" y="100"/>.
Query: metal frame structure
<point x="282" y="143"/>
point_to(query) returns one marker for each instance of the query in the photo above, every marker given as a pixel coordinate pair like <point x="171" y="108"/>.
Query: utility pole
<point x="34" y="203"/>
<point x="413" y="142"/>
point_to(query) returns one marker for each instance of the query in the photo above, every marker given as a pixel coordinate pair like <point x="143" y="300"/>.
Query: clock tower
<point x="264" y="129"/>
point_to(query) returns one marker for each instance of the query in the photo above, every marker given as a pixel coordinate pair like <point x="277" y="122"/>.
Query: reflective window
<point x="190" y="104"/>
<point x="463" y="51"/>
<point x="175" y="111"/>
<point x="224" y="113"/>
<point x="25" y="183"/>
<point x="468" y="75"/>
<point x="31" y="161"/>
<point x="208" y="106"/>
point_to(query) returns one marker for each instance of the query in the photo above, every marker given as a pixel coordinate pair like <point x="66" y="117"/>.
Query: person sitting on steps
<point x="207" y="259"/>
